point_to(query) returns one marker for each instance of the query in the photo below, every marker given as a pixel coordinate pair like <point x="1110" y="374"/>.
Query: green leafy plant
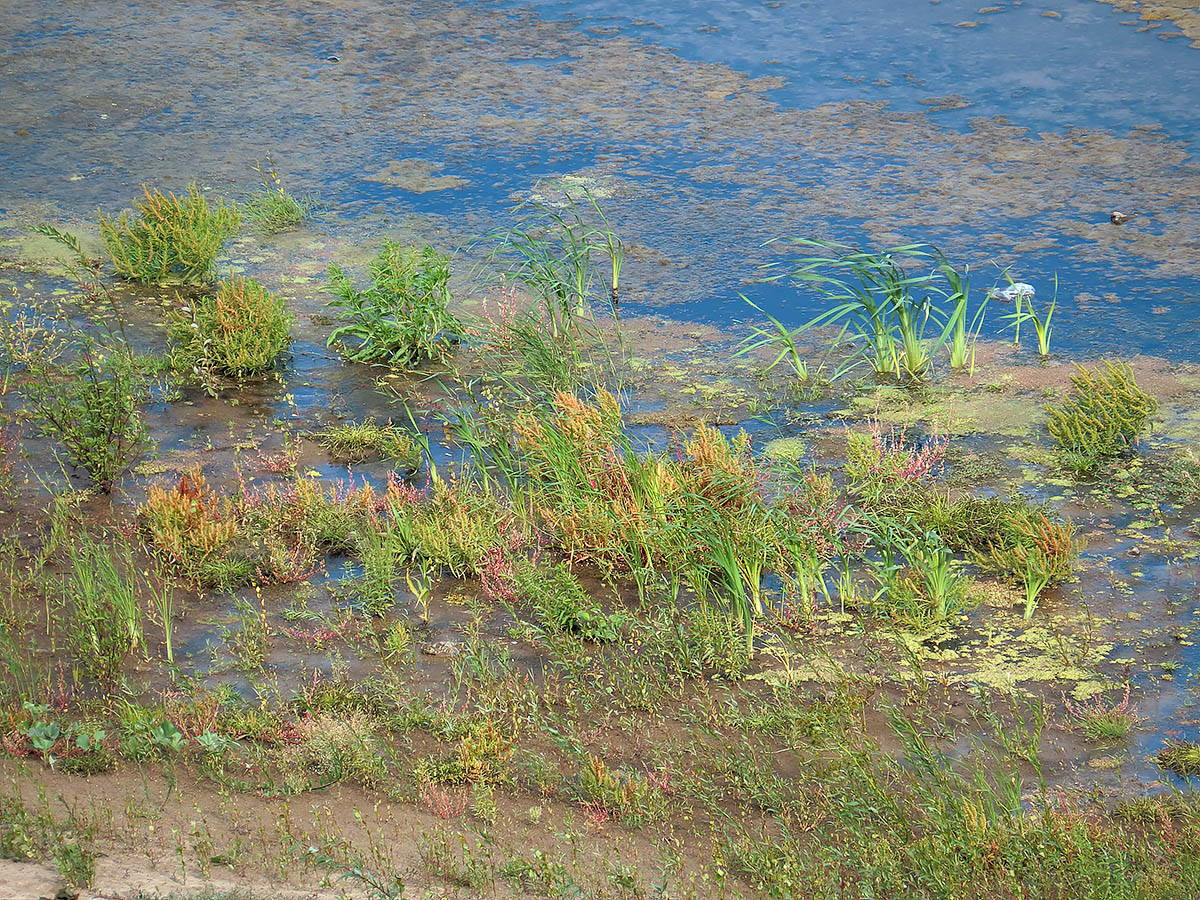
<point x="171" y="238"/>
<point x="1180" y="757"/>
<point x="963" y="336"/>
<point x="403" y="317"/>
<point x="85" y="391"/>
<point x="1103" y="416"/>
<point x="238" y="332"/>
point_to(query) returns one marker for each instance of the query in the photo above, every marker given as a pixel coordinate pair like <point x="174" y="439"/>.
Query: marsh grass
<point x="1102" y="720"/>
<point x="169" y="238"/>
<point x="1035" y="549"/>
<point x="238" y="332"/>
<point x="1181" y="758"/>
<point x="355" y="441"/>
<point x="273" y="209"/>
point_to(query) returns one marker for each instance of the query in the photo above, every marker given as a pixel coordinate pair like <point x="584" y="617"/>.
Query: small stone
<point x="442" y="648"/>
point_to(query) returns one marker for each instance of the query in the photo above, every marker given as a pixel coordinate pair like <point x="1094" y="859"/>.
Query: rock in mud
<point x="442" y="648"/>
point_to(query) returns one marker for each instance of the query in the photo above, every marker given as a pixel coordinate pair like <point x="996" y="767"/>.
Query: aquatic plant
<point x="172" y="238"/>
<point x="194" y="531"/>
<point x="1034" y="549"/>
<point x="1103" y="416"/>
<point x="1100" y="719"/>
<point x="271" y="208"/>
<point x="884" y="310"/>
<point x="238" y="332"/>
<point x="355" y="441"/>
<point x="85" y="391"/>
<point x="963" y="336"/>
<point x="403" y="317"/>
<point x="775" y="338"/>
<point x="1180" y="758"/>
<point x="550" y="251"/>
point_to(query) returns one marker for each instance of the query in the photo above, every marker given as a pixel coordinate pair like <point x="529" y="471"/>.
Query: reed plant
<point x="963" y="336"/>
<point x="885" y="310"/>
<point x="169" y="238"/>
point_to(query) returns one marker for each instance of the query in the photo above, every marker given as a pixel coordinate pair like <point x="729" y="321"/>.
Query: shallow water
<point x="706" y="131"/>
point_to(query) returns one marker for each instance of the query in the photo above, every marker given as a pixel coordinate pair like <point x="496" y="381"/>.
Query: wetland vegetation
<point x="683" y="667"/>
<point x="373" y="547"/>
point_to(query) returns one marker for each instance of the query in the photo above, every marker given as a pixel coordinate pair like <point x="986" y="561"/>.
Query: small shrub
<point x="1103" y="417"/>
<point x="238" y="332"/>
<point x="195" y="531"/>
<point x="334" y="748"/>
<point x="634" y="798"/>
<point x="85" y="393"/>
<point x="402" y="318"/>
<point x="172" y="238"/>
<point x="354" y="442"/>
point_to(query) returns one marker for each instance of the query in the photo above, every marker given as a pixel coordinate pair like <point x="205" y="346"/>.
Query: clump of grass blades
<point x="1180" y="757"/>
<point x="172" y="238"/>
<point x="1101" y="720"/>
<point x="551" y="251"/>
<point x="1103" y="417"/>
<point x="238" y="332"/>
<point x="103" y="611"/>
<point x="884" y="309"/>
<point x="272" y="209"/>
<point x="355" y="441"/>
<point x="403" y="317"/>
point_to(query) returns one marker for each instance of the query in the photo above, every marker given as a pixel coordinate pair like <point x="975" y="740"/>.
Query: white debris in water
<point x="1012" y="292"/>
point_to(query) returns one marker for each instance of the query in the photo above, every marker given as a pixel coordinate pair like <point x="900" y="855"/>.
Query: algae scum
<point x="571" y="564"/>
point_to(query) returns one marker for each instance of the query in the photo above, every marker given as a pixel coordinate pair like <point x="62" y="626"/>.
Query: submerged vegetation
<point x="558" y="629"/>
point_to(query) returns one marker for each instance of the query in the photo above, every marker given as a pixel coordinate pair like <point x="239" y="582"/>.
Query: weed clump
<point x="1103" y="417"/>
<point x="1035" y="550"/>
<point x="238" y="332"/>
<point x="561" y="604"/>
<point x="272" y="209"/>
<point x="1180" y="757"/>
<point x="355" y="441"/>
<point x="403" y="317"/>
<point x="85" y="392"/>
<point x="172" y="238"/>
